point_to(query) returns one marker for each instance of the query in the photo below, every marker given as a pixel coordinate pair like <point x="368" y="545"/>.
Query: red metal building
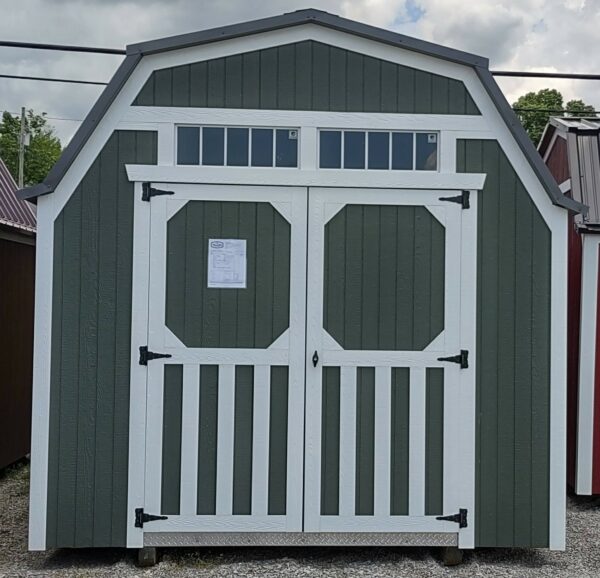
<point x="570" y="149"/>
<point x="17" y="267"/>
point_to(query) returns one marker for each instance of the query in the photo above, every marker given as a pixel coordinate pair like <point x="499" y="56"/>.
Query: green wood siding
<point x="513" y="355"/>
<point x="91" y="333"/>
<point x="384" y="277"/>
<point x="365" y="441"/>
<point x="330" y="442"/>
<point x="203" y="317"/>
<point x="434" y="442"/>
<point x="278" y="440"/>
<point x="306" y="75"/>
<point x="400" y="441"/>
<point x="171" y="440"/>
<point x="242" y="445"/>
<point x="207" y="439"/>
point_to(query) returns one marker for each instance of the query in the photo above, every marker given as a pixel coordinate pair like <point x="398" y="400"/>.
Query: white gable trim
<point x="120" y="110"/>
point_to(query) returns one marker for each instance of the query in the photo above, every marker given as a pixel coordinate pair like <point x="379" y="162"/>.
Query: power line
<point x="45" y="116"/>
<point x="120" y="51"/>
<point x="528" y="74"/>
<point x="48" y="79"/>
<point x="574" y="113"/>
<point x="61" y="47"/>
<point x="495" y="73"/>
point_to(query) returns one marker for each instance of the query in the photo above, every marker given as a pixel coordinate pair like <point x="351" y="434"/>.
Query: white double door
<point x="237" y="435"/>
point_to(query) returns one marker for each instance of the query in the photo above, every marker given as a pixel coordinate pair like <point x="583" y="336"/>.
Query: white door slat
<point x="416" y="453"/>
<point x="260" y="442"/>
<point x="189" y="439"/>
<point x="225" y="439"/>
<point x="347" y="440"/>
<point x="383" y="426"/>
<point x="154" y="435"/>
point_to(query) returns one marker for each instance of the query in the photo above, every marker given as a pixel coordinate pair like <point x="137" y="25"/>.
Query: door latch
<point x="315" y="359"/>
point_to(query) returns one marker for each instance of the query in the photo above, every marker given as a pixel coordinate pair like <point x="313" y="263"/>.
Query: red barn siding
<point x="558" y="161"/>
<point x="16" y="349"/>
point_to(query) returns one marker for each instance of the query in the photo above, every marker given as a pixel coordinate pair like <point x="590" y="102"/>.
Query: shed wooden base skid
<point x="165" y="539"/>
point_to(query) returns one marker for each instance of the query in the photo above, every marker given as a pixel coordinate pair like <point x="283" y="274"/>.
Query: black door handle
<point x="315" y="359"/>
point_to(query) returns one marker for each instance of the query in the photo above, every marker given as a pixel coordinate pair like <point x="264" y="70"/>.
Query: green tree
<point x="41" y="154"/>
<point x="579" y="108"/>
<point x="535" y="108"/>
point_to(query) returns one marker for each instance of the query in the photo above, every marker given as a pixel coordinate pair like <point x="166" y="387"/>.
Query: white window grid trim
<point x="273" y="129"/>
<point x="366" y="154"/>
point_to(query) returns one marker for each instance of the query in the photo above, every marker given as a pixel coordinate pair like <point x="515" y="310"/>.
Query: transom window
<point x="383" y="150"/>
<point x="237" y="146"/>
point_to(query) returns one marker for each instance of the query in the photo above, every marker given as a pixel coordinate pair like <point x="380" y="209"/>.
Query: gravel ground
<point x="581" y="560"/>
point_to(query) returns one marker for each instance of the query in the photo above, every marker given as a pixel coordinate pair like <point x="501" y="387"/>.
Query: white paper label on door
<point x="227" y="263"/>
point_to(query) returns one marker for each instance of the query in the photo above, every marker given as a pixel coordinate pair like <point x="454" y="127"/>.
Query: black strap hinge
<point x="460" y="518"/>
<point x="462" y="199"/>
<point x="148" y="191"/>
<point x="462" y="359"/>
<point x="146" y="356"/>
<point x="141" y="518"/>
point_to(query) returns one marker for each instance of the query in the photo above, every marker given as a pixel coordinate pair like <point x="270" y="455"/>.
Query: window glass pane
<point x="354" y="150"/>
<point x="286" y="153"/>
<point x="426" y="151"/>
<point x="402" y="150"/>
<point x="262" y="147"/>
<point x="237" y="147"/>
<point x="213" y="145"/>
<point x="330" y="149"/>
<point x="379" y="150"/>
<point x="188" y="145"/>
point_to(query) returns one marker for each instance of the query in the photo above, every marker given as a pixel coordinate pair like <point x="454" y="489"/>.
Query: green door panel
<point x="400" y="421"/>
<point x="384" y="277"/>
<point x="171" y="443"/>
<point x="243" y="318"/>
<point x="330" y="442"/>
<point x="242" y="446"/>
<point x="278" y="440"/>
<point x="434" y="442"/>
<point x="207" y="440"/>
<point x="365" y="441"/>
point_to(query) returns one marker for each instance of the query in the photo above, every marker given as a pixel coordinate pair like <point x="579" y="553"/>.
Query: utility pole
<point x="22" y="148"/>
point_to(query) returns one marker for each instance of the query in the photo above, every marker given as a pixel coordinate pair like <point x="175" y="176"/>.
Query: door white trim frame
<point x="150" y="234"/>
<point x="346" y="178"/>
<point x="138" y="373"/>
<point x="459" y="464"/>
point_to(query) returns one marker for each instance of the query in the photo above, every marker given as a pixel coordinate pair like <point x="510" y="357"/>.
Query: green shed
<point x="299" y="281"/>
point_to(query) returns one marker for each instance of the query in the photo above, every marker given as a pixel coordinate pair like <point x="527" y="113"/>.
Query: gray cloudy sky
<point x="554" y="35"/>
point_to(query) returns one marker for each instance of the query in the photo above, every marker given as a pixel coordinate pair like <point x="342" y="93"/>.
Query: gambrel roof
<point x="135" y="52"/>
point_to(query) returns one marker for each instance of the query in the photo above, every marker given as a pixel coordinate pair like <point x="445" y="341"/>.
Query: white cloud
<point x="556" y="35"/>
